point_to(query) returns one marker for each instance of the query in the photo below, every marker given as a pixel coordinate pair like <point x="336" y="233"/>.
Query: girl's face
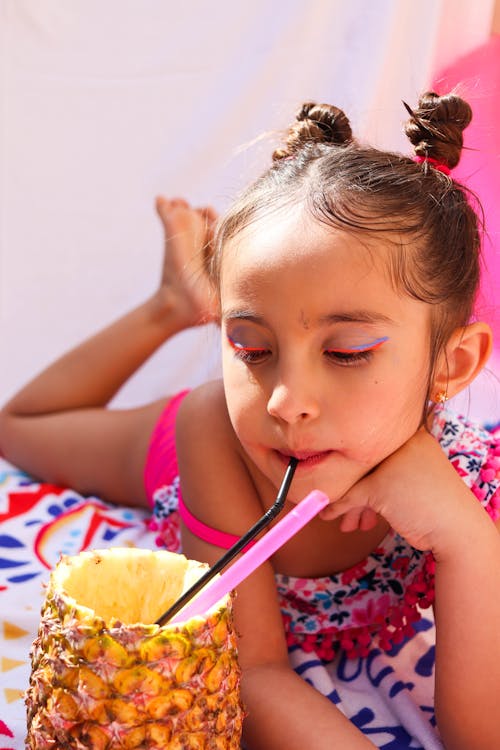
<point x="322" y="358"/>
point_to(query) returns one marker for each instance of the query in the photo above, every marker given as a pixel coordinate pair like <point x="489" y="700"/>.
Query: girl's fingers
<point x="368" y="519"/>
<point x="354" y="508"/>
<point x="352" y="504"/>
<point x="350" y="521"/>
<point x="358" y="519"/>
<point x="331" y="511"/>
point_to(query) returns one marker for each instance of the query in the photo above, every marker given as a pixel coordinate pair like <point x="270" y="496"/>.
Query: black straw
<point x="250" y="535"/>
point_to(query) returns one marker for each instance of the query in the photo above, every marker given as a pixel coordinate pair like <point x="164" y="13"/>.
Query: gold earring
<point x="441" y="397"/>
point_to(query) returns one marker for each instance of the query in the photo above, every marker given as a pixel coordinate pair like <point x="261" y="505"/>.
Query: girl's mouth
<point x="305" y="458"/>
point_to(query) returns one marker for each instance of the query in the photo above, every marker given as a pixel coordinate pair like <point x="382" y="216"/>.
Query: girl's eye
<point x="248" y="354"/>
<point x="356" y="354"/>
<point x="346" y="358"/>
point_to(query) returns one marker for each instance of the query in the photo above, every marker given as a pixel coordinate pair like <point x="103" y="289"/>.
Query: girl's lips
<point x="305" y="458"/>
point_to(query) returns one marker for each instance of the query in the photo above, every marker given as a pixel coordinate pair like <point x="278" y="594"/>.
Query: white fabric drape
<point x="106" y="104"/>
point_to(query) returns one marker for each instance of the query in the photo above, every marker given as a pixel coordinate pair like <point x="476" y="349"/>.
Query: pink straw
<point x="293" y="522"/>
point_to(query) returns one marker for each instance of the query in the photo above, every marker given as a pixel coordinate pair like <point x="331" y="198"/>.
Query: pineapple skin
<point x="132" y="686"/>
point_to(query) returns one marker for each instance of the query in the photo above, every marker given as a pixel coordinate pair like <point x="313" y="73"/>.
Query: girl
<point x="346" y="278"/>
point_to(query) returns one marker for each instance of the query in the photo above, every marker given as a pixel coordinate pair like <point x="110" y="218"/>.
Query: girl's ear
<point x="464" y="356"/>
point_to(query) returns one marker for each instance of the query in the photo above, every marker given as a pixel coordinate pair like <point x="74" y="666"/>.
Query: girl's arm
<point x="467" y="613"/>
<point x="283" y="710"/>
<point x="420" y="494"/>
<point x="57" y="427"/>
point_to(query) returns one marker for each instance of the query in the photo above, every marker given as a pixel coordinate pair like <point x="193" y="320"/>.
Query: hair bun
<point x="316" y="123"/>
<point x="435" y="128"/>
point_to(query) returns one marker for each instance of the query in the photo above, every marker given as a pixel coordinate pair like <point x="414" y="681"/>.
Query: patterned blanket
<point x="388" y="696"/>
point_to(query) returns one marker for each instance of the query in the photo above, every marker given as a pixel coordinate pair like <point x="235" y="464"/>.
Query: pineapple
<point x="104" y="676"/>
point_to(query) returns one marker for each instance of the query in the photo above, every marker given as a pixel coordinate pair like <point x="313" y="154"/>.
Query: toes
<point x="179" y="203"/>
<point x="163" y="206"/>
<point x="209" y="214"/>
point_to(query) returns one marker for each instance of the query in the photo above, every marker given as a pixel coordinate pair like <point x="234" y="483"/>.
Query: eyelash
<point x="248" y="354"/>
<point x="355" y="355"/>
<point x="347" y="358"/>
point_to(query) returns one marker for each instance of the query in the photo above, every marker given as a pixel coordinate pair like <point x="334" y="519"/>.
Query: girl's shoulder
<point x="206" y="400"/>
<point x="203" y="419"/>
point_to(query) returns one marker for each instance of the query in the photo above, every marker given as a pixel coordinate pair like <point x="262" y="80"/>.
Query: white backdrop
<point x="107" y="103"/>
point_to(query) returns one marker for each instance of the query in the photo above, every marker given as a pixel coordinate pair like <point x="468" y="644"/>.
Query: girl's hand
<point x="188" y="247"/>
<point x="417" y="491"/>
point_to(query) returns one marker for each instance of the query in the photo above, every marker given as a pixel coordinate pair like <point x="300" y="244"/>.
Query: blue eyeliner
<point x="362" y="347"/>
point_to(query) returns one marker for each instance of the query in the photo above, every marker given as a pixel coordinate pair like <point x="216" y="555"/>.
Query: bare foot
<point x="188" y="235"/>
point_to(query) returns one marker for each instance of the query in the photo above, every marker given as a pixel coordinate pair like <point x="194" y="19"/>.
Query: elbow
<point x="9" y="428"/>
<point x="5" y="425"/>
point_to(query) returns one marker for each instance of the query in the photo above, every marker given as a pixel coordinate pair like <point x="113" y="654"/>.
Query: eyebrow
<point x="243" y="315"/>
<point x="355" y="316"/>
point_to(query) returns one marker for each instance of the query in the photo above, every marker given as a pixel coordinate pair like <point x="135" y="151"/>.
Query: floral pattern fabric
<point x="365" y="638"/>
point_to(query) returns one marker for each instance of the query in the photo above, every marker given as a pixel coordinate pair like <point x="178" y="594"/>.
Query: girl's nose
<point x="293" y="402"/>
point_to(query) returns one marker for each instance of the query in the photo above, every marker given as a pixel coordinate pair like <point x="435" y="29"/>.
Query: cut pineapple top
<point x="105" y="676"/>
<point x="128" y="585"/>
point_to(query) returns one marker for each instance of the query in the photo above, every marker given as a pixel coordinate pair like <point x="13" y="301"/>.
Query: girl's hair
<point x="425" y="216"/>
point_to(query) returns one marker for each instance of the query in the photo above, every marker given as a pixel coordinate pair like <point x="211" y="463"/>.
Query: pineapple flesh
<point x="104" y="676"/>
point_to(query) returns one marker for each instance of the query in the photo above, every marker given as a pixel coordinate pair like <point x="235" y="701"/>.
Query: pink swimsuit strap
<point x="161" y="470"/>
<point x="161" y="461"/>
<point x="203" y="531"/>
